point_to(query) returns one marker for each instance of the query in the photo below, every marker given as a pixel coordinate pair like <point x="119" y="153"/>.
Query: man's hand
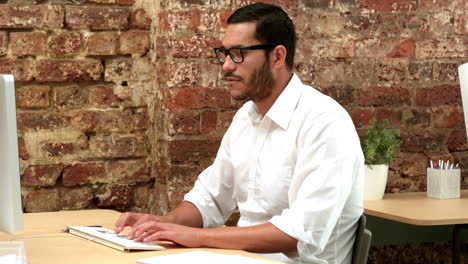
<point x="133" y="220"/>
<point x="179" y="234"/>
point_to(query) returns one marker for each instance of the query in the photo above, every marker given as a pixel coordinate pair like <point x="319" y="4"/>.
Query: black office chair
<point x="362" y="242"/>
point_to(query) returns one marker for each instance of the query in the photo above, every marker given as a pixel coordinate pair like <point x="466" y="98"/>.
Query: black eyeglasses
<point x="237" y="54"/>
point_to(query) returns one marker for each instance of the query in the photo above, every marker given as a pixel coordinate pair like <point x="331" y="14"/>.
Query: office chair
<point x="362" y="242"/>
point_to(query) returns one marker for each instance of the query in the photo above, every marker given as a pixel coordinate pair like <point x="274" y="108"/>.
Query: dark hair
<point x="273" y="26"/>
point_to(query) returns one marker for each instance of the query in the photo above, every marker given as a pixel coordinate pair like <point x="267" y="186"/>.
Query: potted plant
<point x="378" y="146"/>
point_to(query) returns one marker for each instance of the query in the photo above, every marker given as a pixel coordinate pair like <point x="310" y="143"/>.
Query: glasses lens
<point x="236" y="55"/>
<point x="221" y="55"/>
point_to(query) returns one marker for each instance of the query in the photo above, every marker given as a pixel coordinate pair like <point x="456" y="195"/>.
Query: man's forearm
<point x="265" y="238"/>
<point x="185" y="214"/>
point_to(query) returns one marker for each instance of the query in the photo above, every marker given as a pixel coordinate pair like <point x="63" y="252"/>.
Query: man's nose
<point x="229" y="65"/>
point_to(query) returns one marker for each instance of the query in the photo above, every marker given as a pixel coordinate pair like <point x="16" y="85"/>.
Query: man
<point x="290" y="161"/>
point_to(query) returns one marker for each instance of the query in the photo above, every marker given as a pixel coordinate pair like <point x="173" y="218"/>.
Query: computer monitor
<point x="11" y="213"/>
<point x="463" y="76"/>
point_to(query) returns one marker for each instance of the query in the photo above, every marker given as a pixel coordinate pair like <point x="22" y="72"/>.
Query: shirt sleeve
<point x="329" y="161"/>
<point x="212" y="193"/>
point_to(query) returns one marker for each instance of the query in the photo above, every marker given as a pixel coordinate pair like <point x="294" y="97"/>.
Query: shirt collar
<point x="282" y="109"/>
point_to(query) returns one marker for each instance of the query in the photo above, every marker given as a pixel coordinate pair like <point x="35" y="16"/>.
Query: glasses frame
<point x="227" y="52"/>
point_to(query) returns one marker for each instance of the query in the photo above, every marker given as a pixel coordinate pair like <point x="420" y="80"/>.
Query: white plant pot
<point x="375" y="181"/>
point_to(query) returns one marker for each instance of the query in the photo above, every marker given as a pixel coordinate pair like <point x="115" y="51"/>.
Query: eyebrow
<point x="234" y="47"/>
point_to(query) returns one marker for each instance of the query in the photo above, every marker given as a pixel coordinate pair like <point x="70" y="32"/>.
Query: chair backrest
<point x="362" y="242"/>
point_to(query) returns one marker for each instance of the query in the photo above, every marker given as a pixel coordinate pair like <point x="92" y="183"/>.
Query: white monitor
<point x="463" y="76"/>
<point x="11" y="213"/>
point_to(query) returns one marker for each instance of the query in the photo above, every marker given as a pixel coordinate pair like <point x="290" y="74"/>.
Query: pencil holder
<point x="443" y="184"/>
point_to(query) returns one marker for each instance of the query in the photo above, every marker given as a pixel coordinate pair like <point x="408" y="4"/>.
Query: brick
<point x="31" y="16"/>
<point x="103" y="96"/>
<point x="385" y="48"/>
<point x="23" y="152"/>
<point x="122" y="172"/>
<point x="139" y="19"/>
<point x="134" y="42"/>
<point x="66" y="44"/>
<point x="283" y="3"/>
<point x="457" y="141"/>
<point x="361" y="117"/>
<point x="104" y="121"/>
<point x="75" y="198"/>
<point x="70" y="97"/>
<point x="446" y="117"/>
<point x="389" y="5"/>
<point x="179" y="74"/>
<point x="141" y="119"/>
<point x="192" y="150"/>
<point x="381" y="96"/>
<point x="443" y="23"/>
<point x="390" y="72"/>
<point x="184" y="122"/>
<point x="442" y="48"/>
<point x="22" y="69"/>
<point x="319" y="24"/>
<point x="41" y="120"/>
<point x="413" y="165"/>
<point x="209" y="120"/>
<point x="179" y="21"/>
<point x="97" y="17"/>
<point x="41" y="175"/>
<point x="114" y="196"/>
<point x="55" y="70"/>
<point x="190" y="47"/>
<point x="440" y="5"/>
<point x="3" y="42"/>
<point x="225" y="119"/>
<point x="406" y="48"/>
<point x="445" y="72"/>
<point x="212" y="74"/>
<point x="416" y="117"/>
<point x="142" y="197"/>
<point x="143" y="69"/>
<point x="392" y="115"/>
<point x="118" y="2"/>
<point x="220" y="4"/>
<point x="181" y="181"/>
<point x="102" y="43"/>
<point x="196" y="98"/>
<point x="344" y="95"/>
<point x="35" y="96"/>
<point x="64" y="148"/>
<point x="83" y="173"/>
<point x="417" y="142"/>
<point x="421" y="71"/>
<point x="119" y="146"/>
<point x="439" y="95"/>
<point x="329" y="48"/>
<point x="118" y="70"/>
<point x="28" y="43"/>
<point x="43" y="200"/>
<point x="129" y="171"/>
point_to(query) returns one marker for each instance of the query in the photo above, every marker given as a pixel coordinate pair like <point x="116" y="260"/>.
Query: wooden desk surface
<point x="54" y="250"/>
<point x="417" y="209"/>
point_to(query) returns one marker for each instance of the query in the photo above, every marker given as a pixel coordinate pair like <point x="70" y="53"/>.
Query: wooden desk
<point x="54" y="250"/>
<point x="417" y="209"/>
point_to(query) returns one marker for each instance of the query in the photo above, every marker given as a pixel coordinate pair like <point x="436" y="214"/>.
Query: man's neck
<point x="265" y="104"/>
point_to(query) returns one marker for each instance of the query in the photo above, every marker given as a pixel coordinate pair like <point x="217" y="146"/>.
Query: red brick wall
<point x="116" y="110"/>
<point x="84" y="79"/>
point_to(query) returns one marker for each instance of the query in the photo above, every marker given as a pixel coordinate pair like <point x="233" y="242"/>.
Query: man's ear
<point x="278" y="56"/>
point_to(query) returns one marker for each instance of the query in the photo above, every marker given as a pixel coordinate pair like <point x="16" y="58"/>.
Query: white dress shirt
<point x="300" y="167"/>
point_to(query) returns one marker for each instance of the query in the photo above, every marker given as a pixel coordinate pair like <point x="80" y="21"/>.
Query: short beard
<point x="260" y="86"/>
